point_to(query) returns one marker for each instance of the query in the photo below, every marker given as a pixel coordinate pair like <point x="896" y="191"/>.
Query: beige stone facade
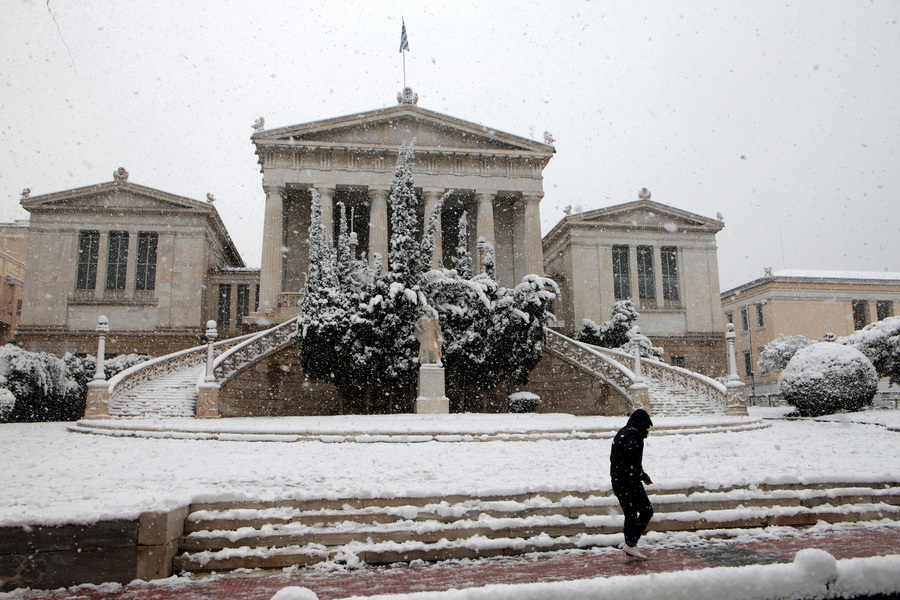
<point x="807" y="303"/>
<point x="139" y="256"/>
<point x="662" y="258"/>
<point x="13" y="252"/>
<point x="496" y="179"/>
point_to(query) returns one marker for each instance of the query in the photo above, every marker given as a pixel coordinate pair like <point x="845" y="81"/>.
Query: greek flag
<point x="404" y="43"/>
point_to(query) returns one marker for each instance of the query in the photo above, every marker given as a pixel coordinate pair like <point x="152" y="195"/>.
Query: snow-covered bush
<point x="880" y="342"/>
<point x="619" y="332"/>
<point x="776" y="354"/>
<point x="47" y="388"/>
<point x="824" y="378"/>
<point x="7" y="402"/>
<point x="522" y="402"/>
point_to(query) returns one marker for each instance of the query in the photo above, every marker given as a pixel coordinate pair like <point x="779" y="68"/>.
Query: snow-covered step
<point x="233" y="535"/>
<point x="174" y="395"/>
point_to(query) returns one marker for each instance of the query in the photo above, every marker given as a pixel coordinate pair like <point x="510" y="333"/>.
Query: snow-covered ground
<point x="51" y="475"/>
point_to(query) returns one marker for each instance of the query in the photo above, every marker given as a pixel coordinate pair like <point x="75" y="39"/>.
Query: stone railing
<point x="141" y="373"/>
<point x="712" y="391"/>
<point x="590" y="359"/>
<point x="253" y="348"/>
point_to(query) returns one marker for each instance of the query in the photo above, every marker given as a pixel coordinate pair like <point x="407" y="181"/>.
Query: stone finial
<point x="830" y="337"/>
<point x="210" y="198"/>
<point x="120" y="175"/>
<point x="568" y="210"/>
<point x="259" y="124"/>
<point x="407" y="96"/>
<point x="644" y="194"/>
<point x="102" y="324"/>
<point x="548" y="138"/>
<point x="26" y="193"/>
<point x="768" y="271"/>
<point x="720" y="216"/>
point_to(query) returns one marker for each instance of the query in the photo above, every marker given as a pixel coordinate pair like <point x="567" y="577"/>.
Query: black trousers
<point x="636" y="506"/>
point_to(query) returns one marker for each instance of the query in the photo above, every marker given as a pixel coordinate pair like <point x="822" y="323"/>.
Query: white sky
<point x="783" y="116"/>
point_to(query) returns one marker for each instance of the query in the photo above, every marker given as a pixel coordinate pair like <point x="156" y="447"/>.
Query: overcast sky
<point x="783" y="116"/>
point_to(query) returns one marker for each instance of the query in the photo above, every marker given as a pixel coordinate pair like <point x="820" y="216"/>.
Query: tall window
<point x="745" y="319"/>
<point x="621" y="272"/>
<point x="884" y="309"/>
<point x="243" y="302"/>
<point x="145" y="272"/>
<point x="748" y="363"/>
<point x="860" y="313"/>
<point x="760" y="317"/>
<point x="646" y="280"/>
<point x="670" y="273"/>
<point x="117" y="260"/>
<point x="88" y="249"/>
<point x="729" y="317"/>
<point x="224" y="305"/>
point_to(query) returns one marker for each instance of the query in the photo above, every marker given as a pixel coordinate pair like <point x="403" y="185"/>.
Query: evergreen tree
<point x="462" y="262"/>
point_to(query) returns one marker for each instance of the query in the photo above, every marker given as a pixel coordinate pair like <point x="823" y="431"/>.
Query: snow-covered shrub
<point x="648" y="350"/>
<point x="824" y="378"/>
<point x="776" y="354"/>
<point x="7" y="402"/>
<point x="522" y="402"/>
<point x="47" y="388"/>
<point x="880" y="342"/>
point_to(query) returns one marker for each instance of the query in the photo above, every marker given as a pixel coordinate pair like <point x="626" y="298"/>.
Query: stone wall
<point x="703" y="353"/>
<point x="277" y="387"/>
<point x="564" y="388"/>
<point x="119" y="551"/>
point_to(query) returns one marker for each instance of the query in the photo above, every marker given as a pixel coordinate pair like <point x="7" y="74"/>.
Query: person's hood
<point x="640" y="419"/>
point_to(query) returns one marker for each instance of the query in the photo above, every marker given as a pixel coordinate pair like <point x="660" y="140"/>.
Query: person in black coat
<point x="628" y="478"/>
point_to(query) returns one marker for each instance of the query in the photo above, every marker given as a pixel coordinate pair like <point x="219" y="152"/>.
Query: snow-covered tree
<point x="619" y="332"/>
<point x="824" y="378"/>
<point x="776" y="354"/>
<point x="361" y="336"/>
<point x="462" y="262"/>
<point x="880" y="342"/>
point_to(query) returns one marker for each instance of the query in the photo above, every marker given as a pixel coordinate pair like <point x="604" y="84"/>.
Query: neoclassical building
<point x="496" y="180"/>
<point x="662" y="258"/>
<point x="157" y="265"/>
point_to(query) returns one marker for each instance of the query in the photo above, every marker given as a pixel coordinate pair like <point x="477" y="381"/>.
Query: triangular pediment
<point x="645" y="214"/>
<point x="115" y="195"/>
<point x="393" y="127"/>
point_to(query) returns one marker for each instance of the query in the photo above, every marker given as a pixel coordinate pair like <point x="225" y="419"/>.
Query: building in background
<point x="496" y="179"/>
<point x="661" y="258"/>
<point x="157" y="265"/>
<point x="13" y="252"/>
<point x="807" y="303"/>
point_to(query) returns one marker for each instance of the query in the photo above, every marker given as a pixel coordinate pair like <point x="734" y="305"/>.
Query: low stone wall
<point x="47" y="557"/>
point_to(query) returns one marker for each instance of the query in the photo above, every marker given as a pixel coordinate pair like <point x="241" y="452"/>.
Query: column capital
<point x="481" y="194"/>
<point x="439" y="191"/>
<point x="274" y="189"/>
<point x="378" y="192"/>
<point x="532" y="197"/>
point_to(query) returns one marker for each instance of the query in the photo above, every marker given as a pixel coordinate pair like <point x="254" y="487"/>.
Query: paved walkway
<point x="558" y="566"/>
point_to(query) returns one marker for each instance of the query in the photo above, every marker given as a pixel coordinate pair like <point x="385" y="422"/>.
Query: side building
<point x="13" y="251"/>
<point x="807" y="303"/>
<point x="155" y="264"/>
<point x="662" y="258"/>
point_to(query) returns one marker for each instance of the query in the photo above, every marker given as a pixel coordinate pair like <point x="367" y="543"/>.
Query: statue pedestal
<point x="432" y="399"/>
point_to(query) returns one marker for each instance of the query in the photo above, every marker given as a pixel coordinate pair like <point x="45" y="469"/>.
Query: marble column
<point x="484" y="225"/>
<point x="432" y="197"/>
<point x="326" y="197"/>
<point x="534" y="253"/>
<point x="378" y="226"/>
<point x="273" y="240"/>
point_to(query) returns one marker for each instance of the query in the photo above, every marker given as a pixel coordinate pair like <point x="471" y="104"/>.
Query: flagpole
<point x="404" y="48"/>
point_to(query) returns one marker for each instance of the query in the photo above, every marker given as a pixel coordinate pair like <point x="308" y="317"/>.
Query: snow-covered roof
<point x="813" y="274"/>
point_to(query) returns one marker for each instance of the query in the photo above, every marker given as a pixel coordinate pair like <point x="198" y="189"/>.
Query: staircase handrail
<point x="133" y="376"/>
<point x="606" y="368"/>
<point x="252" y="348"/>
<point x="700" y="384"/>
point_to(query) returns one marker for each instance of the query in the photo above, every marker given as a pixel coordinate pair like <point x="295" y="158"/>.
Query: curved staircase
<point x="170" y="386"/>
